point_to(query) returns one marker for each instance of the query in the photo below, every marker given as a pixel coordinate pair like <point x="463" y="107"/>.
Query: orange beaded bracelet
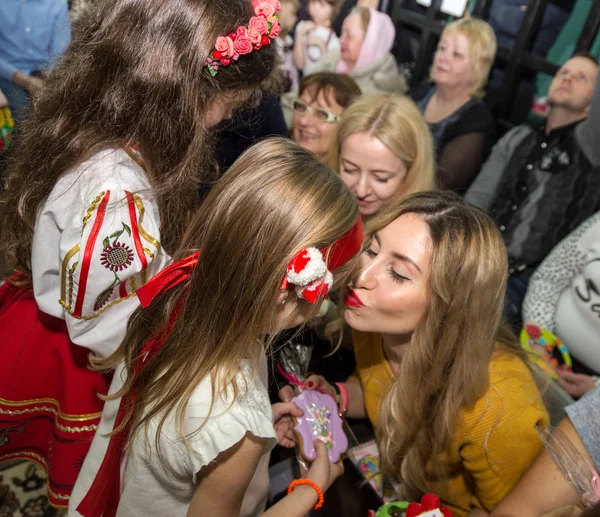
<point x="312" y="484"/>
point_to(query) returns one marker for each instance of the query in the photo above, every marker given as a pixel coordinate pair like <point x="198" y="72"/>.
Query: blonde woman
<point x="463" y="127"/>
<point x="383" y="151"/>
<point x="447" y="389"/>
<point x="189" y="401"/>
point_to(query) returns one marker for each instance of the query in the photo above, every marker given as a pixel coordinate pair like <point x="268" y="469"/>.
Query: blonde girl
<point x="383" y="151"/>
<point x="194" y="418"/>
<point x="449" y="392"/>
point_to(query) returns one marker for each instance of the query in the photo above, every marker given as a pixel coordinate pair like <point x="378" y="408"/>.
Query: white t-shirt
<point x="312" y="52"/>
<point x="151" y="487"/>
<point x="96" y="241"/>
<point x="563" y="295"/>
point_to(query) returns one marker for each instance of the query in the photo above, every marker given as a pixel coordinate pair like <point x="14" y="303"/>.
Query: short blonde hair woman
<point x="383" y="151"/>
<point x="448" y="390"/>
<point x="483" y="46"/>
<point x="463" y="128"/>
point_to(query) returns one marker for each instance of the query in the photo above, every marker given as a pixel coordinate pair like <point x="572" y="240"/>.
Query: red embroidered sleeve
<point x="112" y="259"/>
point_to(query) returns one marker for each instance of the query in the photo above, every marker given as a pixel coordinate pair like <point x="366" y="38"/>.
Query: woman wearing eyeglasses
<point x="322" y="99"/>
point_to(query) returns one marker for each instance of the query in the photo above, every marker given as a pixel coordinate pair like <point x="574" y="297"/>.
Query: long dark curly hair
<point x="134" y="73"/>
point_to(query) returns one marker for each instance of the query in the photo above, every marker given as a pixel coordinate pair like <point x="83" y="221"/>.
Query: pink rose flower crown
<point x="262" y="28"/>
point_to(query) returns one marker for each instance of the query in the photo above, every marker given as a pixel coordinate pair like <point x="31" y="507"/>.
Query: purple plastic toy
<point x="320" y="420"/>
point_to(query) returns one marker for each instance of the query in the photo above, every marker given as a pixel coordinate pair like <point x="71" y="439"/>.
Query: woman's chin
<point x="354" y="320"/>
<point x="367" y="210"/>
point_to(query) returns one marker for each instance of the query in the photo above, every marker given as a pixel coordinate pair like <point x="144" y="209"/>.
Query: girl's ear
<point x="283" y="297"/>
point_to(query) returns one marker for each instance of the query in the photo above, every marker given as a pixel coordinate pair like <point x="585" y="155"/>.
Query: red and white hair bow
<point x="311" y="275"/>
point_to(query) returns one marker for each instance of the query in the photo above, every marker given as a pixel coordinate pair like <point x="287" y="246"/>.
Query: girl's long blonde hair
<point x="446" y="366"/>
<point x="273" y="202"/>
<point x="396" y="121"/>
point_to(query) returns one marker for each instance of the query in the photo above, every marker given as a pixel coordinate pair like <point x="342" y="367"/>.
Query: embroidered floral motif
<point x="105" y="295"/>
<point x="5" y="432"/>
<point x="115" y="256"/>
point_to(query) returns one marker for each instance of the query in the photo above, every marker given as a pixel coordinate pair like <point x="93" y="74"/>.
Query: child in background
<point x="285" y="44"/>
<point x="315" y="38"/>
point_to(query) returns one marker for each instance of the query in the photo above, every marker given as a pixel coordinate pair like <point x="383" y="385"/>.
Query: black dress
<point x="463" y="141"/>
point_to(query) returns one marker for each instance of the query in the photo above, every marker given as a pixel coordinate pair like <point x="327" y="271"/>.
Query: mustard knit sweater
<point x="495" y="441"/>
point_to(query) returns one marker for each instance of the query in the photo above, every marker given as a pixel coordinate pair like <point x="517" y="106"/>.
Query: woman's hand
<point x="314" y="382"/>
<point x="318" y="382"/>
<point x="322" y="472"/>
<point x="283" y="421"/>
<point x="575" y="384"/>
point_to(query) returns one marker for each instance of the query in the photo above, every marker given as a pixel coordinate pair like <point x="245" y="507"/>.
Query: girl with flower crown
<point x="102" y="184"/>
<point x="188" y="428"/>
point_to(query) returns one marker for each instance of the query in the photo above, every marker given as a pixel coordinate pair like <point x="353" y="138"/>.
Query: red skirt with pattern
<point x="49" y="404"/>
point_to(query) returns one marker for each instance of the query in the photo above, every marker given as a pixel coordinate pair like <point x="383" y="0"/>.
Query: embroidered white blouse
<point x="151" y="486"/>
<point x="96" y="241"/>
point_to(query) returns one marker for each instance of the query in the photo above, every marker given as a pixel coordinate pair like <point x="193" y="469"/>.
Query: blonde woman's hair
<point x="482" y="42"/>
<point x="275" y="200"/>
<point x="396" y="121"/>
<point x="446" y="366"/>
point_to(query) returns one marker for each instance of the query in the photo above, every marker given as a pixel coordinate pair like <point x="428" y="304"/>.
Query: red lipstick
<point x="352" y="300"/>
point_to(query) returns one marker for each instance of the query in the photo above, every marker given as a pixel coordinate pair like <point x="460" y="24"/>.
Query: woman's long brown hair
<point x="134" y="73"/>
<point x="275" y="200"/>
<point x="446" y="367"/>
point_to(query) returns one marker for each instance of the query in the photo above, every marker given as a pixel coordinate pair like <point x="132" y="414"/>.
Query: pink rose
<point x="254" y="36"/>
<point x="264" y="9"/>
<point x="276" y="5"/>
<point x="275" y="27"/>
<point x="259" y="23"/>
<point x="242" y="31"/>
<point x="224" y="45"/>
<point x="243" y="45"/>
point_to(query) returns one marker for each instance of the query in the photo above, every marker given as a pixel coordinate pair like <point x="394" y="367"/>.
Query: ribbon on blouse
<point x="102" y="499"/>
<point x="166" y="279"/>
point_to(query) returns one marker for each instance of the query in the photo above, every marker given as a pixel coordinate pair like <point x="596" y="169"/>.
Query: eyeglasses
<point x="319" y="114"/>
<point x="580" y="78"/>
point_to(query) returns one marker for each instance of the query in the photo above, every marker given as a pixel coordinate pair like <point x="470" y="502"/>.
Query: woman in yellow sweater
<point x="448" y="391"/>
